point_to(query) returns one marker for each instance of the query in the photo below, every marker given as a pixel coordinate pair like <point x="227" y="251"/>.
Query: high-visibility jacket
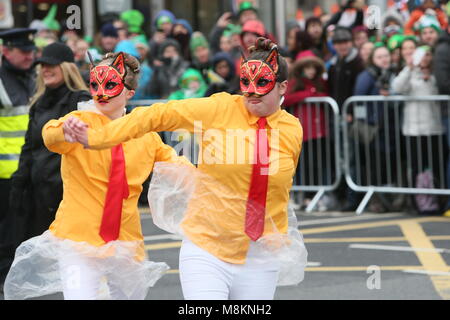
<point x="13" y="126"/>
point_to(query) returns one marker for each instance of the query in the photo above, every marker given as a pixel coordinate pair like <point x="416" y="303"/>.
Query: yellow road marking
<point x="163" y="245"/>
<point x="177" y="244"/>
<point x="432" y="261"/>
<point x="356" y="226"/>
<point x="173" y="271"/>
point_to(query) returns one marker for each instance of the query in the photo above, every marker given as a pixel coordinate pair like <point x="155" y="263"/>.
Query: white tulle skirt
<point x="45" y="265"/>
<point x="176" y="187"/>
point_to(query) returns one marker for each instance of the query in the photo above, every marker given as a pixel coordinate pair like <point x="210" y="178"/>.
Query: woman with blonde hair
<point x="36" y="188"/>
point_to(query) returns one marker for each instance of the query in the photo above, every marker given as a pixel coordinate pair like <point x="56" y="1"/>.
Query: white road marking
<point x="313" y="264"/>
<point x="395" y="248"/>
<point x="427" y="272"/>
<point x="145" y="216"/>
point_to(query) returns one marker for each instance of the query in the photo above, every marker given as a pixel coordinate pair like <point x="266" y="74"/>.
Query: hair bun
<point x="262" y="44"/>
<point x="132" y="63"/>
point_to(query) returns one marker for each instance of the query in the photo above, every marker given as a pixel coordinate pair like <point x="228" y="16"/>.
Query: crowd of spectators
<point x="329" y="54"/>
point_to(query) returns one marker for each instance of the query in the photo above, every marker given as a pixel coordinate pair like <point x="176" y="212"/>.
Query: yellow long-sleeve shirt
<point x="85" y="175"/>
<point x="221" y="117"/>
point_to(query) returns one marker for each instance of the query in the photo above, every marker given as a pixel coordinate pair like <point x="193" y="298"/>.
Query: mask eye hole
<point x="110" y="85"/>
<point x="94" y="85"/>
<point x="245" y="81"/>
<point x="263" y="82"/>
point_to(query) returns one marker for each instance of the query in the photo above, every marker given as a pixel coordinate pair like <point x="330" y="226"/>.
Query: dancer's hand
<point x="78" y="129"/>
<point x="69" y="134"/>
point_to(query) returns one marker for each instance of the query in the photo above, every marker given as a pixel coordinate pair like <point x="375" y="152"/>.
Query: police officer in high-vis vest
<point x="16" y="88"/>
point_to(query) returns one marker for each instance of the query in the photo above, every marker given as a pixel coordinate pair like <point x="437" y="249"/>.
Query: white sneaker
<point x="292" y="205"/>
<point x="327" y="202"/>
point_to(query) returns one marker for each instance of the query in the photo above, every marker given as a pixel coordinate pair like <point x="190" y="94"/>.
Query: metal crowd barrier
<point x="391" y="140"/>
<point x="319" y="167"/>
<point x="142" y="103"/>
<point x="376" y="155"/>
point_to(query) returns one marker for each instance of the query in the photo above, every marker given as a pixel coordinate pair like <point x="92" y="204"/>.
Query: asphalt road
<point x="392" y="256"/>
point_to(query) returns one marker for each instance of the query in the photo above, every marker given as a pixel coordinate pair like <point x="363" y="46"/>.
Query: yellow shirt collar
<point x="272" y="120"/>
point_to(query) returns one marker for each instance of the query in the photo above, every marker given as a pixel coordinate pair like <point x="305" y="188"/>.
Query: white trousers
<point x="82" y="279"/>
<point x="205" y="277"/>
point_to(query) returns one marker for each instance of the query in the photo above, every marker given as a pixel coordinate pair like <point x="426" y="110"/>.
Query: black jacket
<point x="342" y="76"/>
<point x="442" y="64"/>
<point x="19" y="84"/>
<point x="36" y="188"/>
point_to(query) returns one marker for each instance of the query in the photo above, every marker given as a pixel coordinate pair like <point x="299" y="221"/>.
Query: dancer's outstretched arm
<point x="177" y="114"/>
<point x="58" y="136"/>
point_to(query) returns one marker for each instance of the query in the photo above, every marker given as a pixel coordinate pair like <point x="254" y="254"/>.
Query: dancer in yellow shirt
<point x="96" y="233"/>
<point x="217" y="255"/>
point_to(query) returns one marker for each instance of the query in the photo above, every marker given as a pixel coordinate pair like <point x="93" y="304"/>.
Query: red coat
<point x="312" y="118"/>
<point x="418" y="13"/>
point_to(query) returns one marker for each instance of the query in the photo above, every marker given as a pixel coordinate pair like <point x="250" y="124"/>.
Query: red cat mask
<point x="259" y="77"/>
<point x="107" y="82"/>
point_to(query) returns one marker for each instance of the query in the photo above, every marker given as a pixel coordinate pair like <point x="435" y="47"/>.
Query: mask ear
<point x="272" y="59"/>
<point x="244" y="59"/>
<point x="119" y="64"/>
<point x="90" y="59"/>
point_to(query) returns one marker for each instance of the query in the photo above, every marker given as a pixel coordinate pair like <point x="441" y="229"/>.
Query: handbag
<point x="362" y="131"/>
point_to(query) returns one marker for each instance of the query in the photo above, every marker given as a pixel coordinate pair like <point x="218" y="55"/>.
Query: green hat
<point x="232" y="29"/>
<point x="88" y="39"/>
<point x="134" y="19"/>
<point x="373" y="39"/>
<point x="429" y="21"/>
<point x="163" y="19"/>
<point x="188" y="76"/>
<point x="198" y="40"/>
<point x="140" y="40"/>
<point x="191" y="75"/>
<point x="246" y="5"/>
<point x="50" y="20"/>
<point x="379" y="44"/>
<point x="396" y="41"/>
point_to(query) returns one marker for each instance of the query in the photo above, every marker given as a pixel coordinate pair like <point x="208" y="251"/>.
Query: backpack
<point x="426" y="203"/>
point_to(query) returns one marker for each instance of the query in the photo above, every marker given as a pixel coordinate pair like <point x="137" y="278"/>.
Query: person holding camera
<point x="376" y="78"/>
<point x="422" y="126"/>
<point x="373" y="138"/>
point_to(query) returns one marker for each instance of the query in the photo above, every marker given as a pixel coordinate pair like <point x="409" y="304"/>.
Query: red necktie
<point x="256" y="203"/>
<point x="117" y="191"/>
